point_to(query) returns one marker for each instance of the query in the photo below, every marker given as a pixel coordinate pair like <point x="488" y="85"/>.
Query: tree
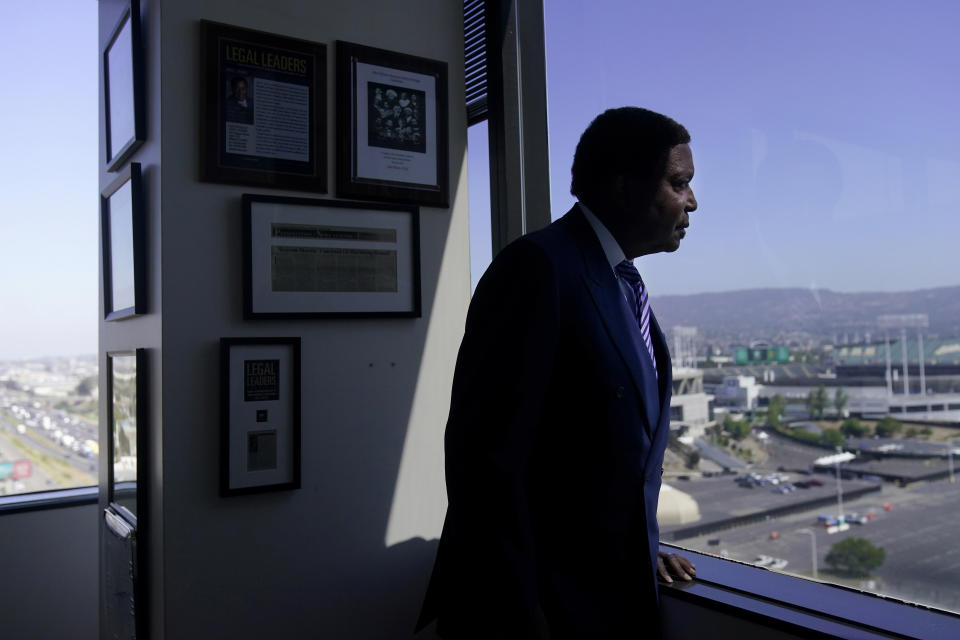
<point x="840" y="398"/>
<point x="855" y="557"/>
<point x="911" y="432"/>
<point x="832" y="437"/>
<point x="87" y="386"/>
<point x="775" y="410"/>
<point x="887" y="427"/>
<point x="853" y="428"/>
<point x="738" y="429"/>
<point x="817" y="401"/>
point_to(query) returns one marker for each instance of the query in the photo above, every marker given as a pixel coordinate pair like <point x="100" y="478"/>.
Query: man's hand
<point x="671" y="563"/>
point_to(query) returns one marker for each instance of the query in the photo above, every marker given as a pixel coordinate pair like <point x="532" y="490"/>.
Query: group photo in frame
<point x="308" y="257"/>
<point x="121" y="56"/>
<point x="391" y="126"/>
<point x="259" y="414"/>
<point x="264" y="109"/>
<point x="123" y="245"/>
<point x="126" y="420"/>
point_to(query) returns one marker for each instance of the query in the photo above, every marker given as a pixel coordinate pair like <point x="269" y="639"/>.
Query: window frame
<point x="800" y="605"/>
<point x="42" y="500"/>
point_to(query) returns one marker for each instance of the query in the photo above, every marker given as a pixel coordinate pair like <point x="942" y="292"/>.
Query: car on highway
<point x="763" y="561"/>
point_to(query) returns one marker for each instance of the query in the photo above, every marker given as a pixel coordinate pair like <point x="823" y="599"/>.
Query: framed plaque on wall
<point x="391" y="126"/>
<point x="123" y="243"/>
<point x="259" y="415"/>
<point x="264" y="109"/>
<point x="307" y="257"/>
<point x="125" y="127"/>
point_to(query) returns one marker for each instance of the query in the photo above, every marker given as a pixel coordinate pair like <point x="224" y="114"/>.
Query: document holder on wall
<point x="120" y="553"/>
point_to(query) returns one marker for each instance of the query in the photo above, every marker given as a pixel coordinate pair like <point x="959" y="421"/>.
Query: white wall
<point x="347" y="555"/>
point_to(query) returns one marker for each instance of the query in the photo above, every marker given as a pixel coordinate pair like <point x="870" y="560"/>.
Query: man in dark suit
<point x="560" y="412"/>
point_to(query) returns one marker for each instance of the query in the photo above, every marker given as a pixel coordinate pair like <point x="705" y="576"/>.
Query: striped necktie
<point x="641" y="304"/>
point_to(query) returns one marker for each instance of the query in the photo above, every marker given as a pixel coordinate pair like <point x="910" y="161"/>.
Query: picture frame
<point x="127" y="437"/>
<point x="263" y="119"/>
<point x="259" y="415"/>
<point x="311" y="258"/>
<point x="392" y="136"/>
<point x="123" y="246"/>
<point x="122" y="69"/>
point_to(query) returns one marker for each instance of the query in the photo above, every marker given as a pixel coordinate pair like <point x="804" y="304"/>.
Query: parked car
<point x="763" y="561"/>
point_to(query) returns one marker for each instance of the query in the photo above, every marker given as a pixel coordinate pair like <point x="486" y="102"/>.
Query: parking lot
<point x="918" y="532"/>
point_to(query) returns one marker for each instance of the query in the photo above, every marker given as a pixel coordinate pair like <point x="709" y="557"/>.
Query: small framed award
<point x="122" y="240"/>
<point x="391" y="126"/>
<point x="259" y="414"/>
<point x="307" y="258"/>
<point x="125" y="127"/>
<point x="264" y="112"/>
<point x="126" y="412"/>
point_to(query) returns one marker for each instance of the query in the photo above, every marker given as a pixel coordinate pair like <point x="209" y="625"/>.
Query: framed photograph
<point x="125" y="126"/>
<point x="122" y="238"/>
<point x="264" y="112"/>
<point x="391" y="126"/>
<point x="126" y="417"/>
<point x="259" y="414"/>
<point x="308" y="258"/>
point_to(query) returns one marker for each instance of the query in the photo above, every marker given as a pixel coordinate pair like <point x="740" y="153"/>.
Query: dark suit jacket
<point x="554" y="449"/>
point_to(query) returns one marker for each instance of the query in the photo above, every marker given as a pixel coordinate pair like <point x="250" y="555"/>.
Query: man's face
<point x="651" y="226"/>
<point x="240" y="93"/>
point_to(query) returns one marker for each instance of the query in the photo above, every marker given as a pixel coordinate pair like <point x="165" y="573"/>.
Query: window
<point x="48" y="249"/>
<point x="827" y="157"/>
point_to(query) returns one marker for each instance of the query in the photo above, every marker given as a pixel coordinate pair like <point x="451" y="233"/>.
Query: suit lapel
<point x="665" y="369"/>
<point x="608" y="299"/>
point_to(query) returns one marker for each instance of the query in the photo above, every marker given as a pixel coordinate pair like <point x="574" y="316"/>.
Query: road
<point x="82" y="470"/>
<point x="918" y="534"/>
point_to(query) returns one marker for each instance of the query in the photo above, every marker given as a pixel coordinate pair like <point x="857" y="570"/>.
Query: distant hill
<point x="799" y="316"/>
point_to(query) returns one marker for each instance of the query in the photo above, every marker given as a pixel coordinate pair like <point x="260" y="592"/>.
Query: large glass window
<point x="816" y="290"/>
<point x="48" y="247"/>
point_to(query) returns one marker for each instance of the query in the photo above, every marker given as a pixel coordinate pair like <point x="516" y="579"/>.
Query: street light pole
<point x="837" y="458"/>
<point x="813" y="548"/>
<point x="840" y="518"/>
<point x="950" y="458"/>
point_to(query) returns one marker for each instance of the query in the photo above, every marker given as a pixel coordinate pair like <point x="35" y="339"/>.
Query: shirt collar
<point x="611" y="249"/>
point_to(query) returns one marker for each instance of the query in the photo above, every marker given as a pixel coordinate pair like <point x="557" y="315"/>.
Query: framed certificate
<point x="264" y="113"/>
<point x="259" y="414"/>
<point x="123" y="243"/>
<point x="310" y="258"/>
<point x="125" y="126"/>
<point x="126" y="413"/>
<point x="391" y="126"/>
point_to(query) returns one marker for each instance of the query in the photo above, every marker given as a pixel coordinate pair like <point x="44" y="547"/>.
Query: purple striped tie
<point x="641" y="305"/>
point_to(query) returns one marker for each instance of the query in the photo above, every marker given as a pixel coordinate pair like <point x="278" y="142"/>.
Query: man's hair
<point x="628" y="141"/>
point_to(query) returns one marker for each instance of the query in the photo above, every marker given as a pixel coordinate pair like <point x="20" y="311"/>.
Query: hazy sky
<point x="825" y="133"/>
<point x="49" y="219"/>
<point x="825" y="136"/>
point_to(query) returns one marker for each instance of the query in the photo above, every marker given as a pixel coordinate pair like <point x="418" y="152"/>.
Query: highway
<point x="918" y="534"/>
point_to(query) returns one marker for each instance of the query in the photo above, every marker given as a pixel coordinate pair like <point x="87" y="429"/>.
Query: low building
<point x="737" y="391"/>
<point x="691" y="409"/>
